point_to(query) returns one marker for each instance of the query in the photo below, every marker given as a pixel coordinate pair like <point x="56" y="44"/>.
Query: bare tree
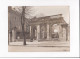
<point x="23" y="22"/>
<point x="25" y="13"/>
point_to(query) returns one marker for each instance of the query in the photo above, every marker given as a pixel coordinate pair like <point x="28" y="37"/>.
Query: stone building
<point x="51" y="27"/>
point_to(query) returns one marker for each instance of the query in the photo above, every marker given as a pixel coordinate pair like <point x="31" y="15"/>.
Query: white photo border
<point x="74" y="28"/>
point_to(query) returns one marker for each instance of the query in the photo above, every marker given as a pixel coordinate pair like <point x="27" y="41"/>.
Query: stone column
<point x="60" y="32"/>
<point x="66" y="33"/>
<point x="30" y="31"/>
<point x="13" y="35"/>
<point x="47" y="31"/>
<point x="31" y="34"/>
<point x="38" y="32"/>
<point x="50" y="31"/>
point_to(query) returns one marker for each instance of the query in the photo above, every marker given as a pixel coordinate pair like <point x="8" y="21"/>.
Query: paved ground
<point x="37" y="49"/>
<point x="45" y="46"/>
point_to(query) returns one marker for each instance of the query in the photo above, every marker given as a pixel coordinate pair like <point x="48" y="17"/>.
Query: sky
<point x="40" y="11"/>
<point x="52" y="10"/>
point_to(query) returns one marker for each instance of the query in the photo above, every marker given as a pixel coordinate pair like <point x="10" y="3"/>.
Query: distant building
<point x="14" y="24"/>
<point x="43" y="28"/>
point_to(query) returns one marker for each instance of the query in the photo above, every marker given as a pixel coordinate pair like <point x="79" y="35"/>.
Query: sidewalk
<point x="42" y="44"/>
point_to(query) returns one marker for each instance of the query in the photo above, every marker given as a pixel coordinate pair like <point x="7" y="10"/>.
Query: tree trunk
<point x="24" y="41"/>
<point x="23" y="22"/>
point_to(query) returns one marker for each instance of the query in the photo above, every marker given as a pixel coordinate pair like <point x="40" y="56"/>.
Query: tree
<point x="23" y="22"/>
<point x="25" y="13"/>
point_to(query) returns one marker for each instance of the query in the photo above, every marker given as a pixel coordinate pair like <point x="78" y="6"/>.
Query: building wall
<point x="14" y="20"/>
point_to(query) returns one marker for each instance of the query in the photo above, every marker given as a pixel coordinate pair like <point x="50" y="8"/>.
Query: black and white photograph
<point x="38" y="29"/>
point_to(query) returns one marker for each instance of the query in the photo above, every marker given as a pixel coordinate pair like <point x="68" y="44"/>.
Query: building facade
<point x="49" y="28"/>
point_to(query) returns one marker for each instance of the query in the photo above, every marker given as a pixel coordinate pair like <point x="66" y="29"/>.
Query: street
<point x="47" y="46"/>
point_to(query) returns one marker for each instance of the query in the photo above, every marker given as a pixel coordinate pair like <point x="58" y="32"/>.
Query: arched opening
<point x="55" y="30"/>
